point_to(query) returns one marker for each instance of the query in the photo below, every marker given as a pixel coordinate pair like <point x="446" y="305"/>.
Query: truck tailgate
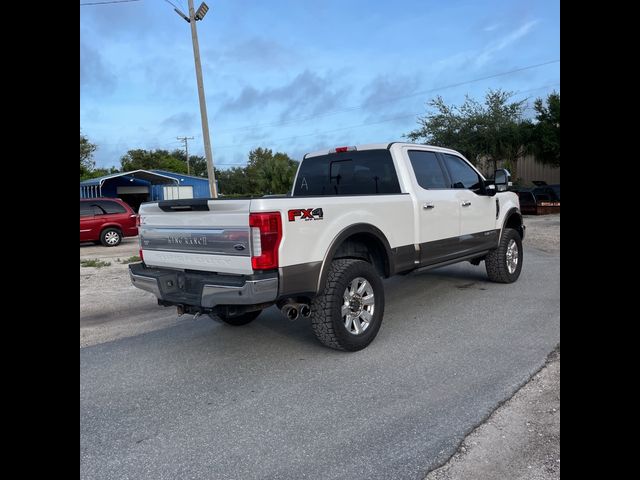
<point x="197" y="234"/>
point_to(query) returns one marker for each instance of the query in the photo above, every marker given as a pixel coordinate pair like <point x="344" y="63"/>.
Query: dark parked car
<point x="527" y="202"/>
<point x="107" y="220"/>
<point x="540" y="200"/>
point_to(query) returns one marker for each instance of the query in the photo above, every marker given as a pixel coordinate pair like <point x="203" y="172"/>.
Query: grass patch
<point x="94" y="262"/>
<point x="134" y="258"/>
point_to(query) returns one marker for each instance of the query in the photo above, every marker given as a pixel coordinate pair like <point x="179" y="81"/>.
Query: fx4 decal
<point x="305" y="214"/>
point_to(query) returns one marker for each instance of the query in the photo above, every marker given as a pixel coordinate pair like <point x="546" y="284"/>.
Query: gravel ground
<point x="520" y="440"/>
<point x="543" y="232"/>
<point x="110" y="307"/>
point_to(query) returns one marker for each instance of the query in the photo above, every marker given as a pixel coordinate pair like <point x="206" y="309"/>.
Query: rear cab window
<point x="358" y="172"/>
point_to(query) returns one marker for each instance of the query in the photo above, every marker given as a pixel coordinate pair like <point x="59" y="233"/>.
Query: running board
<point x="452" y="261"/>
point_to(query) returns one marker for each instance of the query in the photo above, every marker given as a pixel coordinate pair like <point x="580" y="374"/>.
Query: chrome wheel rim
<point x="512" y="256"/>
<point x="111" y="238"/>
<point x="358" y="306"/>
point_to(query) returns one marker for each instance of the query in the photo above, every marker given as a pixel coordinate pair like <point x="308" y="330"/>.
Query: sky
<point x="300" y="76"/>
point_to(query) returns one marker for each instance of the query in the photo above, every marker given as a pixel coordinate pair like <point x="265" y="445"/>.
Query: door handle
<point x="428" y="206"/>
<point x="466" y="203"/>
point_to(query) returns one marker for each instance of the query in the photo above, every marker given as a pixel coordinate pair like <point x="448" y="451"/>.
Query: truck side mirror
<point x="501" y="179"/>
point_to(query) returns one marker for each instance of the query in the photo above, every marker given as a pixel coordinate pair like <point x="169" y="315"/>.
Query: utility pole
<point x="186" y="149"/>
<point x="192" y="18"/>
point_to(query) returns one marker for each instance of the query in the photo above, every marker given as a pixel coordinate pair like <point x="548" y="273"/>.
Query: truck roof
<point x="378" y="146"/>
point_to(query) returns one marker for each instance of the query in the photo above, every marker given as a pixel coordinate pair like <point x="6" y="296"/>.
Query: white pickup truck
<point x="355" y="215"/>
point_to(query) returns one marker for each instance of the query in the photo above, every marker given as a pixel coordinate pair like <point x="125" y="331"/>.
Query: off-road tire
<point x="496" y="261"/>
<point x="326" y="317"/>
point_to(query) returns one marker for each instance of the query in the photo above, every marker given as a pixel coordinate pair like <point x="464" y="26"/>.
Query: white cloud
<point x="491" y="28"/>
<point x="490" y="50"/>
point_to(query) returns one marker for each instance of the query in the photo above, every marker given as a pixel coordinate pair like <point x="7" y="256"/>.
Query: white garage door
<point x="173" y="193"/>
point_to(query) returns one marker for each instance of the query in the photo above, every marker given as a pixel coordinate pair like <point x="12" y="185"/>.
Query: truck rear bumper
<point x="204" y="289"/>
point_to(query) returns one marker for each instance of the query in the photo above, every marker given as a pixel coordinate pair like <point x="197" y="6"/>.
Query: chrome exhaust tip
<point x="290" y="312"/>
<point x="305" y="311"/>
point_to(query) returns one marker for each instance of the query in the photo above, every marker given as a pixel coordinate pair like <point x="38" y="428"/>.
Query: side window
<point x="462" y="175"/>
<point x="97" y="209"/>
<point x="427" y="169"/>
<point x="110" y="207"/>
<point x="85" y="209"/>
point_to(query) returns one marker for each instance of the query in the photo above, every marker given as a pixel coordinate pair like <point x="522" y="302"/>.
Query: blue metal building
<point x="140" y="186"/>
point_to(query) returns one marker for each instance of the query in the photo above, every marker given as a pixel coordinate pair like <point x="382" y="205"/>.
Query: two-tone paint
<point x="412" y="229"/>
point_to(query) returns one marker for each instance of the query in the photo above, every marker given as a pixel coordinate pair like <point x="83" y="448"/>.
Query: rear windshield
<point x="365" y="172"/>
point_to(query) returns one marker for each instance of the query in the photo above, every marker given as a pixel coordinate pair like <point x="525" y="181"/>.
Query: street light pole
<point x="193" y="16"/>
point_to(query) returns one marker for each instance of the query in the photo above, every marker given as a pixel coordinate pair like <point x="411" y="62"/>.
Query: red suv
<point x="106" y="220"/>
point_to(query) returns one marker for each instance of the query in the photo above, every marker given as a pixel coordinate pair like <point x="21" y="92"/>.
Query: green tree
<point x="140" y="159"/>
<point x="174" y="161"/>
<point x="233" y="181"/>
<point x="493" y="130"/>
<point x="197" y="164"/>
<point x="545" y="143"/>
<point x="266" y="172"/>
<point x="269" y="173"/>
<point x="87" y="148"/>
<point x="98" y="172"/>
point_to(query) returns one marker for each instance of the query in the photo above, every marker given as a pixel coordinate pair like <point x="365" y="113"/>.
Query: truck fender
<point x="345" y="234"/>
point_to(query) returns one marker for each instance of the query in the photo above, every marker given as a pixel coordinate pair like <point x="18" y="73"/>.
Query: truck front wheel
<point x="348" y="313"/>
<point x="505" y="262"/>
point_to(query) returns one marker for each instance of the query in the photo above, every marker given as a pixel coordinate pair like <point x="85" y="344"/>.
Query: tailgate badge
<point x="239" y="246"/>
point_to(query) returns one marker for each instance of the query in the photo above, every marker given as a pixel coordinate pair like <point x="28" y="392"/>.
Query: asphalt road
<point x="205" y="400"/>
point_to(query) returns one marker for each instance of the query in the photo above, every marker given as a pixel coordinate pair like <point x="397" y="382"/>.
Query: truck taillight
<point x="141" y="257"/>
<point x="266" y="233"/>
<point x="137" y="220"/>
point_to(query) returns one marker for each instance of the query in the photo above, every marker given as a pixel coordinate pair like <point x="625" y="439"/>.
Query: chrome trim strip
<point x="232" y="241"/>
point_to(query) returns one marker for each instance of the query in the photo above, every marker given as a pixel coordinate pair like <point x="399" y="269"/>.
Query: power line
<point x="414" y="94"/>
<point x="323" y="132"/>
<point x="171" y="4"/>
<point x="107" y="3"/>
<point x="349" y="127"/>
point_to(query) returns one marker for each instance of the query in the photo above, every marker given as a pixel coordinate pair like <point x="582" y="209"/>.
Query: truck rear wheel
<point x="239" y="320"/>
<point x="505" y="262"/>
<point x="348" y="313"/>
